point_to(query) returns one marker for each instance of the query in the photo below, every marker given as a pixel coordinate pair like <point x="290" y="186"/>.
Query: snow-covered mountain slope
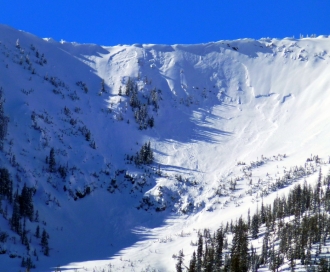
<point x="226" y="114"/>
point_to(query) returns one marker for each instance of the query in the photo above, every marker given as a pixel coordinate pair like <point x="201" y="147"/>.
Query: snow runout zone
<point x="128" y="151"/>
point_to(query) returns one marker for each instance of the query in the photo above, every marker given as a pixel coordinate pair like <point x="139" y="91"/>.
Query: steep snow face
<point x="271" y="80"/>
<point x="218" y="104"/>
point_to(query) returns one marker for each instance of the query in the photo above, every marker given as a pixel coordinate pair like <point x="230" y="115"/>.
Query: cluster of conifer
<point x="145" y="156"/>
<point x="294" y="229"/>
<point x="22" y="207"/>
<point x="141" y="114"/>
<point x="22" y="210"/>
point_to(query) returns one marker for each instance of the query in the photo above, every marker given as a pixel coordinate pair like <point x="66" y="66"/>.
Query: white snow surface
<point x="222" y="103"/>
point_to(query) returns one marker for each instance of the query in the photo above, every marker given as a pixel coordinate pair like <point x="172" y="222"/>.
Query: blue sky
<point x="108" y="22"/>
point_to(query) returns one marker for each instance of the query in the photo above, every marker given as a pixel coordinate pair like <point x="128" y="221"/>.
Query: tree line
<point x="293" y="229"/>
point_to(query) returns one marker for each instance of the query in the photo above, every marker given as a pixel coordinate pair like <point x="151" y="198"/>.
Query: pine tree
<point x="129" y="87"/>
<point x="102" y="86"/>
<point x="36" y="218"/>
<point x="265" y="247"/>
<point x="199" y="253"/>
<point x="44" y="243"/>
<point x="193" y="263"/>
<point x="151" y="122"/>
<point x="262" y="213"/>
<point x="209" y="259"/>
<point x="26" y="203"/>
<point x="239" y="250"/>
<point x="3" y="118"/>
<point x="88" y="136"/>
<point x="6" y="184"/>
<point x="150" y="155"/>
<point x="255" y="226"/>
<point x="218" y="248"/>
<point x="145" y="156"/>
<point x="275" y="260"/>
<point x="23" y="263"/>
<point x="28" y="264"/>
<point x="15" y="218"/>
<point x="254" y="260"/>
<point x="227" y="263"/>
<point x="308" y="260"/>
<point x="37" y="234"/>
<point x="52" y="161"/>
<point x="179" y="264"/>
<point x="134" y="101"/>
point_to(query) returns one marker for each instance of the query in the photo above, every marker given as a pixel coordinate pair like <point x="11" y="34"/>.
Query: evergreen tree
<point x="88" y="135"/>
<point x="151" y="122"/>
<point x="254" y="260"/>
<point x="6" y="184"/>
<point x="218" y="249"/>
<point x="255" y="226"/>
<point x="44" y="243"/>
<point x="179" y="264"/>
<point x="102" y="86"/>
<point x="145" y="156"/>
<point x="129" y="87"/>
<point x="275" y="260"/>
<point x="265" y="247"/>
<point x="29" y="264"/>
<point x="324" y="265"/>
<point x="23" y="263"/>
<point x="141" y="116"/>
<point x="134" y="101"/>
<point x="26" y="203"/>
<point x="15" y="218"/>
<point x="150" y="154"/>
<point x="36" y="218"/>
<point x="209" y="259"/>
<point x="62" y="170"/>
<point x="4" y="120"/>
<point x="308" y="260"/>
<point x="263" y="213"/>
<point x="37" y="234"/>
<point x="193" y="263"/>
<point x="239" y="250"/>
<point x="227" y="263"/>
<point x="199" y="253"/>
<point x="52" y="161"/>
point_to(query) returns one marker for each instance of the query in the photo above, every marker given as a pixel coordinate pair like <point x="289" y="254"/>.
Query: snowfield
<point x="232" y="117"/>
